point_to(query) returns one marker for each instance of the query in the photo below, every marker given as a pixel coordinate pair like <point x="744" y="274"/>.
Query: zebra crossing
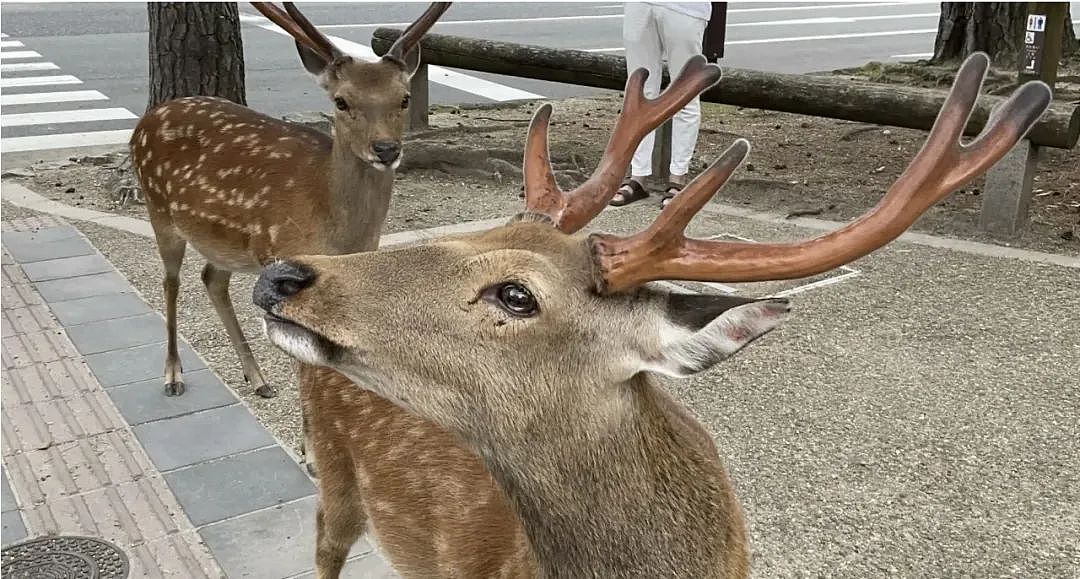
<point x="43" y="109"/>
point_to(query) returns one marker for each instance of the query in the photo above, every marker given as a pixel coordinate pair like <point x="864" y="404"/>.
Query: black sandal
<point x="672" y="190"/>
<point x="628" y="192"/>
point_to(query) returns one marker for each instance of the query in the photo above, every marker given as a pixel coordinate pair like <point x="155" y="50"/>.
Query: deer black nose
<point x="280" y="281"/>
<point x="386" y="151"/>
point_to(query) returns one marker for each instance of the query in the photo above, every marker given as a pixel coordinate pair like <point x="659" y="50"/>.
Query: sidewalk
<point x="192" y="486"/>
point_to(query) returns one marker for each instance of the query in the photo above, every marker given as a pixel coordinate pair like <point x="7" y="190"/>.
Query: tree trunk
<point x="195" y="49"/>
<point x="1069" y="43"/>
<point x="996" y="28"/>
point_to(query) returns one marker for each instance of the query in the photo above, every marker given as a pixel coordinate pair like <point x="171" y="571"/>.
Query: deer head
<point x="370" y="98"/>
<point x="481" y="330"/>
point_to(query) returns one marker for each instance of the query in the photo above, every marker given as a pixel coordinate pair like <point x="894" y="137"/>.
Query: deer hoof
<point x="174" y="388"/>
<point x="266" y="391"/>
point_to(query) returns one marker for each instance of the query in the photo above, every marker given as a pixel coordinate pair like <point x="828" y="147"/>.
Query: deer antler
<point x="942" y="165"/>
<point x="299" y="27"/>
<point x="412" y="35"/>
<point x="571" y="211"/>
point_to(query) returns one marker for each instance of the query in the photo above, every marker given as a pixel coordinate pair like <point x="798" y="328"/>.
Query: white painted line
<point x="484" y="21"/>
<point x="64" y="141"/>
<point x="914" y="55"/>
<point x="19" y="54"/>
<point x="585" y="17"/>
<point x="22" y="66"/>
<point x="10" y="44"/>
<point x="38" y="80"/>
<point x="2" y="35"/>
<point x="817" y="284"/>
<point x="437" y="74"/>
<point x="33" y="98"/>
<point x="834" y="20"/>
<point x="804" y="38"/>
<point x="70" y="116"/>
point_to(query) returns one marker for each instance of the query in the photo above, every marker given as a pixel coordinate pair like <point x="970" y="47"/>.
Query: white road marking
<point x="2" y="35"/>
<point x="437" y="74"/>
<point x="70" y="116"/>
<point x="804" y="38"/>
<point x="914" y="55"/>
<point x="33" y="98"/>
<point x="483" y="21"/>
<point x="23" y="66"/>
<point x="38" y="80"/>
<point x="19" y="54"/>
<point x="10" y="44"/>
<point x="834" y="20"/>
<point x="64" y="141"/>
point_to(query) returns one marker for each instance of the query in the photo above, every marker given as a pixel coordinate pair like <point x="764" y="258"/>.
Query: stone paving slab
<point x="190" y="486"/>
<point x="237" y="544"/>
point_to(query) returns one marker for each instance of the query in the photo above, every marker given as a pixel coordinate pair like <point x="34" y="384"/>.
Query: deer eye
<point x="513" y="298"/>
<point x="405" y="102"/>
<point x="341" y="104"/>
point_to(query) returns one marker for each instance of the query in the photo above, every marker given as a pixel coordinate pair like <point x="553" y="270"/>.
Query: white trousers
<point x="652" y="34"/>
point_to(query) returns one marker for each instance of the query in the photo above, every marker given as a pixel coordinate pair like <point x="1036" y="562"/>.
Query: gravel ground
<point x="917" y="421"/>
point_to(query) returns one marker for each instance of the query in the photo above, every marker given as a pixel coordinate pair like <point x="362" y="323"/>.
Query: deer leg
<point x="339" y="522"/>
<point x="217" y="285"/>
<point x="171" y="247"/>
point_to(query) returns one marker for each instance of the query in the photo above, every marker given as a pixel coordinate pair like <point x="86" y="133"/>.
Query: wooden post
<point x="1007" y="193"/>
<point x="661" y="154"/>
<point x="419" y="99"/>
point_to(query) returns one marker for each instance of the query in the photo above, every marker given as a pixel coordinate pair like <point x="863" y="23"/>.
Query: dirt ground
<point x="467" y="166"/>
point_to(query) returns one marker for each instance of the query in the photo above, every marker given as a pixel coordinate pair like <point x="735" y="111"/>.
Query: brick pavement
<point x="191" y="486"/>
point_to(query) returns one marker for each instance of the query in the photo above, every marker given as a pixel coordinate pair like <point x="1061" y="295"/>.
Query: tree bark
<point x="996" y="28"/>
<point x="195" y="49"/>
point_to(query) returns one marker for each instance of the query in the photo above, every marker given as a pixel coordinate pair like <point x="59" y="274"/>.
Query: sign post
<point x="1007" y="193"/>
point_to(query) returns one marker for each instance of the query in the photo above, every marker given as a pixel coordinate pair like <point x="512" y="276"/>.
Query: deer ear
<point x="412" y="61"/>
<point x="701" y="330"/>
<point x="311" y="60"/>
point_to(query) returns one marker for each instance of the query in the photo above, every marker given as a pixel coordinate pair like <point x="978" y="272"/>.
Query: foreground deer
<point x="242" y="187"/>
<point x="539" y="350"/>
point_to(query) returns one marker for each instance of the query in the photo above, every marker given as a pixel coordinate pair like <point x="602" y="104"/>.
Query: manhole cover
<point x="64" y="558"/>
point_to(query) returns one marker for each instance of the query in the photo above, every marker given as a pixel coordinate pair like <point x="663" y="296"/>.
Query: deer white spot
<point x="227" y="127"/>
<point x="274" y="233"/>
<point x="158" y="170"/>
<point x="142" y="138"/>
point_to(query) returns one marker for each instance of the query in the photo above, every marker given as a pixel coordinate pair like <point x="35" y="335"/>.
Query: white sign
<point x="1036" y="22"/>
<point x="1029" y="37"/>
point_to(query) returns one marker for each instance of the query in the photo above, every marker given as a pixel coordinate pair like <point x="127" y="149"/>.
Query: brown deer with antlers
<point x="538" y="350"/>
<point x="243" y="188"/>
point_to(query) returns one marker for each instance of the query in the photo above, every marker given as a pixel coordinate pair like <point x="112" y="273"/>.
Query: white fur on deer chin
<point x="295" y="341"/>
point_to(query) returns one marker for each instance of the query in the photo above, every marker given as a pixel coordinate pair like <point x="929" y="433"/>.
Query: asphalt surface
<point x="103" y="47"/>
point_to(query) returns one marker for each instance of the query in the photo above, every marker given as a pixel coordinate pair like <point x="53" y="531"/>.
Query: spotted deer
<point x="242" y="187"/>
<point x="524" y="430"/>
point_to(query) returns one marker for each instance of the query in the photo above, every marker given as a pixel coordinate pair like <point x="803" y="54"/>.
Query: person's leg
<point x="641" y="38"/>
<point x="681" y="36"/>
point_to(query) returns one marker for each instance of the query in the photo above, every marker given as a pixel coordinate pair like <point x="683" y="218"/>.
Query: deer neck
<point x="638" y="492"/>
<point x="359" y="201"/>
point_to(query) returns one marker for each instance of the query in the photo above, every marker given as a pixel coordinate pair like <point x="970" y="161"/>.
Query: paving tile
<point x="7" y="498"/>
<point x="66" y="267"/>
<point x="240" y="484"/>
<point x="108" y="335"/>
<point x="26" y="252"/>
<point x="59" y="290"/>
<point x="145" y="401"/>
<point x="194" y="438"/>
<point x="39" y="235"/>
<point x="5" y="257"/>
<point x="273" y="543"/>
<point x="22" y="350"/>
<point x="29" y="319"/>
<point x="369" y="566"/>
<point x="176" y="556"/>
<point x="137" y="364"/>
<point x="14" y="530"/>
<point x="98" y="308"/>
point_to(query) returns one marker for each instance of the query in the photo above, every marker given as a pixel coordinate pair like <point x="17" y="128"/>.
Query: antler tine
<point x="415" y="31"/>
<point x="323" y="45"/>
<point x="941" y="166"/>
<point x="289" y="24"/>
<point x="572" y="211"/>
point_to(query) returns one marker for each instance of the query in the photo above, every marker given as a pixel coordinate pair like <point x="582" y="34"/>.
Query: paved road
<point x="75" y="74"/>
